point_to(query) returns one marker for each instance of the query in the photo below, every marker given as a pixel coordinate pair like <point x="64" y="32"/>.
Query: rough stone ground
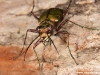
<point x="84" y="44"/>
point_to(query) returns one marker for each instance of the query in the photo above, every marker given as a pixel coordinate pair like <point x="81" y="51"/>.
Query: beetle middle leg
<point x="65" y="32"/>
<point x="53" y="44"/>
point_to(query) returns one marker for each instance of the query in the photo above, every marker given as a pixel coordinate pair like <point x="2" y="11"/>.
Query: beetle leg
<point x="31" y="13"/>
<point x="65" y="32"/>
<point x="34" y="15"/>
<point x="91" y="28"/>
<point x="71" y="53"/>
<point x="65" y="12"/>
<point x="36" y="44"/>
<point x="66" y="20"/>
<point x="61" y="24"/>
<point x="53" y="44"/>
<point x="29" y="30"/>
<point x="61" y="32"/>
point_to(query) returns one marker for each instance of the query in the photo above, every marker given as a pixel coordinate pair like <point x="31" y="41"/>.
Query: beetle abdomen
<point x="53" y="14"/>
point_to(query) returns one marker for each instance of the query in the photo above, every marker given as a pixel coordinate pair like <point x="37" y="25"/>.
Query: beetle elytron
<point x="50" y="21"/>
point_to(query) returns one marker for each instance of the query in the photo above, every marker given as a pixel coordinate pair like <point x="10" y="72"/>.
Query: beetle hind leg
<point x="66" y="11"/>
<point x="31" y="12"/>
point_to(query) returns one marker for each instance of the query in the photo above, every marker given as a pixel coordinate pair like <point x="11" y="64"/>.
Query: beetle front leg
<point x="29" y="30"/>
<point x="36" y="44"/>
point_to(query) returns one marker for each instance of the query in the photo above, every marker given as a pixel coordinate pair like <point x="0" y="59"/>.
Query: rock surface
<point x="84" y="44"/>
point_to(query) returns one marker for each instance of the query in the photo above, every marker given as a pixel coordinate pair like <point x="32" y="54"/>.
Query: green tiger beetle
<point x="50" y="21"/>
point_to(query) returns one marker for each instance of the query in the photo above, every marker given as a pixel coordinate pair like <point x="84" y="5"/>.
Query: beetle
<point x="50" y="21"/>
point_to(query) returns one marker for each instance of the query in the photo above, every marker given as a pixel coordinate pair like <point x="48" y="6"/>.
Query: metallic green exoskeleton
<point x="51" y="16"/>
<point x="48" y="21"/>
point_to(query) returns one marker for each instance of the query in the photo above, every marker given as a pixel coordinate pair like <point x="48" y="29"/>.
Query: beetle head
<point x="45" y="30"/>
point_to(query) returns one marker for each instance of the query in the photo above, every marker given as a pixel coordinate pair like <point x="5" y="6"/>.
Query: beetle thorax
<point x="45" y="30"/>
<point x="47" y="22"/>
